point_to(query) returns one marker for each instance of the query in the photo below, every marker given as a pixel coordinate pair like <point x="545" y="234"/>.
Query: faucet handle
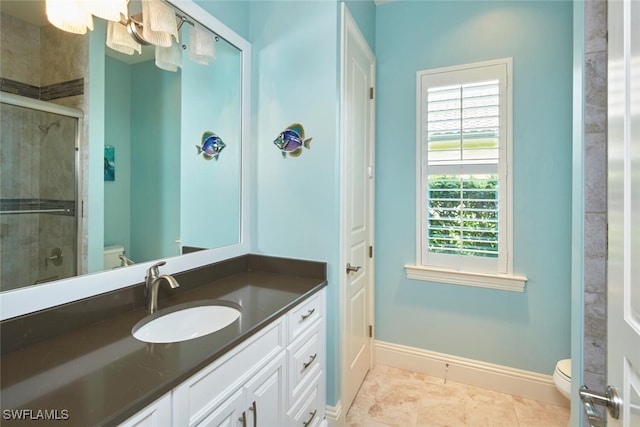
<point x="154" y="271"/>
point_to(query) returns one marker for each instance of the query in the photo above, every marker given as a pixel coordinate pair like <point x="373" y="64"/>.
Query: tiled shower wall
<point x="43" y="58"/>
<point x="37" y="164"/>
<point x="595" y="192"/>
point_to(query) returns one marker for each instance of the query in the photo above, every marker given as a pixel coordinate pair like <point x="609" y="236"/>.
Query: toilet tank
<point x="111" y="254"/>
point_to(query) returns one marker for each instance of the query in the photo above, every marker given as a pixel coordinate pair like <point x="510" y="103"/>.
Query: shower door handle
<point x="56" y="257"/>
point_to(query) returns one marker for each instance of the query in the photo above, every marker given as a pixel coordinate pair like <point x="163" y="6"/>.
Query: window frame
<point x="496" y="273"/>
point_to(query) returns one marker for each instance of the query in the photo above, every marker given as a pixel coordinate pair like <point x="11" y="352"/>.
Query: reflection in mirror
<point x="167" y="193"/>
<point x="161" y="192"/>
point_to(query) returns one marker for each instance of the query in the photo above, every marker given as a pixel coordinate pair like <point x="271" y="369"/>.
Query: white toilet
<point x="562" y="377"/>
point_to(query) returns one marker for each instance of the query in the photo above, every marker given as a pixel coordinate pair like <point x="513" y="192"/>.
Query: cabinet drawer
<point x="306" y="358"/>
<point x="309" y="411"/>
<point x="303" y="316"/>
<point x="197" y="396"/>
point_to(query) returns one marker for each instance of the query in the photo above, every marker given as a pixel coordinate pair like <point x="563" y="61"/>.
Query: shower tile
<point x="595" y="345"/>
<point x="595" y="174"/>
<point x="594" y="381"/>
<point x="595" y="27"/>
<point x="595" y="275"/>
<point x="595" y="119"/>
<point x="64" y="55"/>
<point x="20" y="50"/>
<point x="595" y="238"/>
<point x="596" y="79"/>
<point x="595" y="305"/>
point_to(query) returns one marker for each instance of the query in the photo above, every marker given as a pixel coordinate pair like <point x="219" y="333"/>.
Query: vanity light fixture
<point x="69" y="15"/>
<point x="156" y="25"/>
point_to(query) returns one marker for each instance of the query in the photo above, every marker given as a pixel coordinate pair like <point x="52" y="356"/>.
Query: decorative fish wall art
<point x="291" y="140"/>
<point x="210" y="146"/>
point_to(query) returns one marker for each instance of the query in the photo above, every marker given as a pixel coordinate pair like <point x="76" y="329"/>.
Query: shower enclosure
<point x="38" y="191"/>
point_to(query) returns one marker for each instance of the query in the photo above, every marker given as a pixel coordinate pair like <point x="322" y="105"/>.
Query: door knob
<point x="352" y="269"/>
<point x="608" y="399"/>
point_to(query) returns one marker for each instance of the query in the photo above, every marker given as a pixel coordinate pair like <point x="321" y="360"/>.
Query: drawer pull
<point x="254" y="409"/>
<point x="311" y="359"/>
<point x="309" y="313"/>
<point x="243" y="419"/>
<point x="313" y="414"/>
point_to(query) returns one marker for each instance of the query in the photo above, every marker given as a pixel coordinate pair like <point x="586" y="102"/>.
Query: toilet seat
<point x="562" y="377"/>
<point x="563" y="367"/>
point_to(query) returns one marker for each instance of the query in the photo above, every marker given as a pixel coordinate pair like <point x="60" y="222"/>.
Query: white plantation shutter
<point x="464" y="145"/>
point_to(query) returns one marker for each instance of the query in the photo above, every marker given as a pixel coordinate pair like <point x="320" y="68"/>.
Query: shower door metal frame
<point x="49" y="107"/>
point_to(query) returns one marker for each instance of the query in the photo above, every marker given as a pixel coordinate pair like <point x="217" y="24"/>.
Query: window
<point x="464" y="184"/>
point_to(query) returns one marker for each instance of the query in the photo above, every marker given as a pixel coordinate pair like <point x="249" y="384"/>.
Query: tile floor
<point x="396" y="397"/>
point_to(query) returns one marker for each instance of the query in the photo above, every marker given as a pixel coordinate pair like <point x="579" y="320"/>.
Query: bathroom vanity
<point x="80" y="362"/>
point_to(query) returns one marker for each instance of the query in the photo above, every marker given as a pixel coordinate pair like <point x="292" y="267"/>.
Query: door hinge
<point x="370" y="251"/>
<point x="370" y="93"/>
<point x="370" y="331"/>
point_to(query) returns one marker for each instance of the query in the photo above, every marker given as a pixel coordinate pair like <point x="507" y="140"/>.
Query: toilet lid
<point x="564" y="367"/>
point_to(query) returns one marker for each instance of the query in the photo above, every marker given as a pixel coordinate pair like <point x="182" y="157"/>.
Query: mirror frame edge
<point x="19" y="302"/>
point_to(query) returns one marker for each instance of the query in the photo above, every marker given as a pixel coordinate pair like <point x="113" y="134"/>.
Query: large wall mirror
<point x="156" y="162"/>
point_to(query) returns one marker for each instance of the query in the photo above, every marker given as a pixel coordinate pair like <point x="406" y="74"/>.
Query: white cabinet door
<point x="229" y="413"/>
<point x="158" y="414"/>
<point x="265" y="395"/>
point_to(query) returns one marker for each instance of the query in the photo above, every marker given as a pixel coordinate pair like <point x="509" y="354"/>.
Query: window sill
<point x="501" y="282"/>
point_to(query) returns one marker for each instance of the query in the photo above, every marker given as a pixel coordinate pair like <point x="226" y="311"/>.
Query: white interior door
<point x="623" y="365"/>
<point x="357" y="109"/>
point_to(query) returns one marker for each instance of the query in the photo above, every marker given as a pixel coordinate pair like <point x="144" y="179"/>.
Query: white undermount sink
<point x="186" y="321"/>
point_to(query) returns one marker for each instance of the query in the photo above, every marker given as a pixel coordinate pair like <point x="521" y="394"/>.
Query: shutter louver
<point x="462" y="139"/>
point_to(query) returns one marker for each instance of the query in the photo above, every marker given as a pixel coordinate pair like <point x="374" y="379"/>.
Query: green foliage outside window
<point x="463" y="215"/>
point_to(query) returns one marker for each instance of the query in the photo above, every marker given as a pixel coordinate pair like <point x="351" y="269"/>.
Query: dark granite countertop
<point x="98" y="374"/>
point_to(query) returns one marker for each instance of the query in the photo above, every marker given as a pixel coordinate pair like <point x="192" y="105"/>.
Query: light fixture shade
<point x="169" y="58"/>
<point x="69" y="15"/>
<point x="107" y="9"/>
<point x="202" y="44"/>
<point x="119" y="39"/>
<point x="158" y="23"/>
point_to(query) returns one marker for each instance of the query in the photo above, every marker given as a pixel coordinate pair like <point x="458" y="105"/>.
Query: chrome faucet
<point x="152" y="281"/>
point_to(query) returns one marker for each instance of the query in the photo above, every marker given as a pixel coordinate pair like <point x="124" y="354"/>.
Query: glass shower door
<point x="38" y="195"/>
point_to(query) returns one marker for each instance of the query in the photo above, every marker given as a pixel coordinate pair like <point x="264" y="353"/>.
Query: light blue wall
<point x="210" y="189"/>
<point x="295" y="200"/>
<point x="155" y="159"/>
<point x="117" y="205"/>
<point x="529" y="330"/>
<point x="364" y="13"/>
<point x="233" y="13"/>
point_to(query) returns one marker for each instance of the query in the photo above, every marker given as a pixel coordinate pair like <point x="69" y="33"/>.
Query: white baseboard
<point x="334" y="415"/>
<point x="530" y="385"/>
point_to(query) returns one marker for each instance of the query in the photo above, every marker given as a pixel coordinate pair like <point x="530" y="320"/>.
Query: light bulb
<point x="69" y="15"/>
<point x="107" y="9"/>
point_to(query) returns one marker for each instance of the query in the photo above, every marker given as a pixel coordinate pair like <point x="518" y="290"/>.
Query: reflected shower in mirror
<point x="161" y="193"/>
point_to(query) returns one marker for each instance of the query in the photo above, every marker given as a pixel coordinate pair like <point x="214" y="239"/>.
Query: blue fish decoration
<point x="291" y="140"/>
<point x="211" y="146"/>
